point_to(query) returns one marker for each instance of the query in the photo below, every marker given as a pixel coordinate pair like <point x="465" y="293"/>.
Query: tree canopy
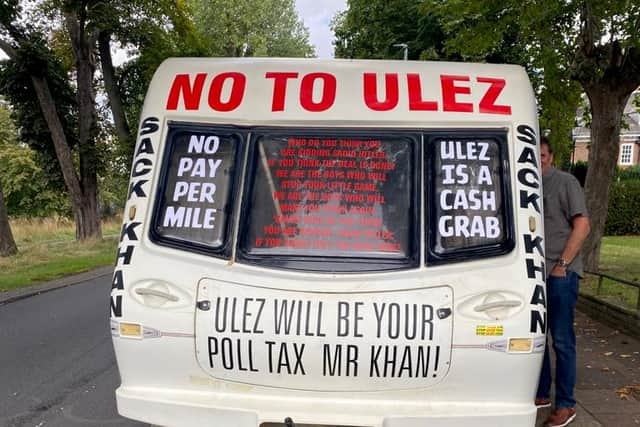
<point x="7" y="136"/>
<point x="28" y="189"/>
<point x="374" y="29"/>
<point x="251" y="28"/>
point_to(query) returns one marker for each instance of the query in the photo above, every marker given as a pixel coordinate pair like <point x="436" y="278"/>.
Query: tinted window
<point x="332" y="196"/>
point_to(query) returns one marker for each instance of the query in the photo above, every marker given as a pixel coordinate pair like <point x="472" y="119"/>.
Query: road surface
<point x="57" y="365"/>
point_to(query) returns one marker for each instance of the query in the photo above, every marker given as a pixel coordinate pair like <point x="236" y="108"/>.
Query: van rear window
<point x="468" y="197"/>
<point x="322" y="197"/>
<point x="194" y="200"/>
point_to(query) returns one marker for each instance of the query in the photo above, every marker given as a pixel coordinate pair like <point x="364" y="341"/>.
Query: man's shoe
<point x="543" y="402"/>
<point x="560" y="417"/>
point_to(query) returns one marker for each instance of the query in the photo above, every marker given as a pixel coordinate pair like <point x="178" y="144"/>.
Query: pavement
<point x="608" y="378"/>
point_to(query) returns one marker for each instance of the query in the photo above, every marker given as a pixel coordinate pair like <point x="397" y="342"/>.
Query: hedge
<point x="632" y="172"/>
<point x="624" y="209"/>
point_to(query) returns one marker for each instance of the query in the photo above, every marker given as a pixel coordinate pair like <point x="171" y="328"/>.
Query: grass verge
<point x="48" y="250"/>
<point x="618" y="258"/>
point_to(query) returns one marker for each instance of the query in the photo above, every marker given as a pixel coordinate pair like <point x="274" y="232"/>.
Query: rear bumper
<point x="187" y="409"/>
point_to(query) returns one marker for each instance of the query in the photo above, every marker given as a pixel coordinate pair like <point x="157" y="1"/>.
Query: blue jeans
<point x="562" y="294"/>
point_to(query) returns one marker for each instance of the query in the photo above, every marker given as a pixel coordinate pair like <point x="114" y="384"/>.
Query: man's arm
<point x="579" y="233"/>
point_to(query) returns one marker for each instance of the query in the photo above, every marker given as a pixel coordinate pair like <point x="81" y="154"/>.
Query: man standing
<point x="566" y="226"/>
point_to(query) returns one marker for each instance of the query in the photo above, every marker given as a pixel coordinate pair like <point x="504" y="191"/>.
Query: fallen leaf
<point x="625" y="392"/>
<point x="605" y="369"/>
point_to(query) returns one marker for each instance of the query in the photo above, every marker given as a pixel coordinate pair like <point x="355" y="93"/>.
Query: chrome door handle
<point x="497" y="304"/>
<point x="156" y="293"/>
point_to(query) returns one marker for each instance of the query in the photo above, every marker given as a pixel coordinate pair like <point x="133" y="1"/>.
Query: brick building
<point x="629" y="152"/>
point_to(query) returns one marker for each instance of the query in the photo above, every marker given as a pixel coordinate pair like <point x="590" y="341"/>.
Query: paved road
<point x="57" y="366"/>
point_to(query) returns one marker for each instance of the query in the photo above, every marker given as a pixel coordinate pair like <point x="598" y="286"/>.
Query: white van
<point x="332" y="242"/>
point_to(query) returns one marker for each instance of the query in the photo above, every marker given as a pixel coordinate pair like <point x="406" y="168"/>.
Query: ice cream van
<point x="332" y="243"/>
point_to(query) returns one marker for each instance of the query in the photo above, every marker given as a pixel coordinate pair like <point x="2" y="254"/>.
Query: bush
<point x="579" y="170"/>
<point x="632" y="172"/>
<point x="624" y="209"/>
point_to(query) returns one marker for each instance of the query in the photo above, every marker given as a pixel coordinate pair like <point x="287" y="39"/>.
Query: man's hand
<point x="579" y="232"/>
<point x="558" y="271"/>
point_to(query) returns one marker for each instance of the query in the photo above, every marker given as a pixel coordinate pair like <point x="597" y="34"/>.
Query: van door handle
<point x="497" y="304"/>
<point x="156" y="293"/>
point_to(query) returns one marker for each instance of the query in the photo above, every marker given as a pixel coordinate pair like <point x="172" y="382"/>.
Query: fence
<point x="601" y="278"/>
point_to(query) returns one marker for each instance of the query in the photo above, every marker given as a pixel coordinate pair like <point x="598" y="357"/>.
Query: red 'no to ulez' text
<point x="187" y="91"/>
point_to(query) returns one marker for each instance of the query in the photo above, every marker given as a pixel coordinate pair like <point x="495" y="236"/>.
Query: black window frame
<point x="334" y="264"/>
<point x="431" y="224"/>
<point x="224" y="251"/>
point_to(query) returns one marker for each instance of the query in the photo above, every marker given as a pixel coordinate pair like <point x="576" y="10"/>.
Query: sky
<point x="317" y="15"/>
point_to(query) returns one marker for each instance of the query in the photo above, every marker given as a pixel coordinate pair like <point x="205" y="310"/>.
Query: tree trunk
<point x="87" y="218"/>
<point x="607" y="106"/>
<point x="7" y="244"/>
<point x="60" y="143"/>
<point x="83" y="193"/>
<point x="87" y="214"/>
<point x="111" y="87"/>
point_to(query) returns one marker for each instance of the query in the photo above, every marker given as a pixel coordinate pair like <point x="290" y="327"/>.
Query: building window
<point x="626" y="154"/>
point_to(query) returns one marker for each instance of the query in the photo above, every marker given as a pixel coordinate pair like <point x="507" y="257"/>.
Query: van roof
<point x="264" y="91"/>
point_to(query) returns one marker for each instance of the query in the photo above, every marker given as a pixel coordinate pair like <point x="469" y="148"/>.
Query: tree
<point x="36" y="80"/>
<point x="251" y="28"/>
<point x="7" y="243"/>
<point x="372" y="29"/>
<point x="28" y="190"/>
<point x="595" y="44"/>
<point x="26" y="47"/>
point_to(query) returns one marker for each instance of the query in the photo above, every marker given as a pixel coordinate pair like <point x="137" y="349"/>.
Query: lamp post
<point x="405" y="47"/>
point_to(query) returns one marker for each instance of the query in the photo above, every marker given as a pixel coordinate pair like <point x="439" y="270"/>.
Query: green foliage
<point x="9" y="10"/>
<point x="45" y="263"/>
<point x="630" y="173"/>
<point x="27" y="190"/>
<point x="15" y="84"/>
<point x="251" y="28"/>
<point x="624" y="209"/>
<point x="8" y="131"/>
<point x="579" y="170"/>
<point x="371" y="28"/>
